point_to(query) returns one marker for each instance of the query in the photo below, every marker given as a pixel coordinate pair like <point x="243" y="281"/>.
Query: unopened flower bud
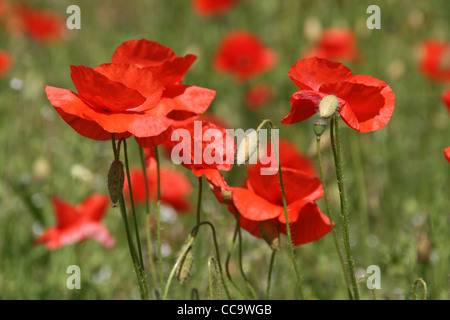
<point x="247" y="148"/>
<point x="185" y="267"/>
<point x="116" y="180"/>
<point x="328" y="106"/>
<point x="319" y="126"/>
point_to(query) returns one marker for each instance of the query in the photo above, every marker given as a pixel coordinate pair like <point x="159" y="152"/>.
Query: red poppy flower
<point x="446" y="98"/>
<point x="435" y="59"/>
<point x="74" y="224"/>
<point x="260" y="202"/>
<point x="41" y="25"/>
<point x="447" y="153"/>
<point x="213" y="7"/>
<point x="175" y="187"/>
<point x="5" y="62"/>
<point x="112" y="98"/>
<point x="242" y="54"/>
<point x="365" y="103"/>
<point x="335" y="44"/>
<point x="201" y="146"/>
<point x="258" y="95"/>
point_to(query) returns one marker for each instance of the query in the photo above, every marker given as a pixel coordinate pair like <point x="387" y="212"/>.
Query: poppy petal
<point x="311" y="73"/>
<point x="94" y="207"/>
<point x="254" y="207"/>
<point x="103" y="93"/>
<point x="304" y="104"/>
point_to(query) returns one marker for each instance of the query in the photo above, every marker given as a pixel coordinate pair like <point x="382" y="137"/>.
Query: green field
<point x="397" y="178"/>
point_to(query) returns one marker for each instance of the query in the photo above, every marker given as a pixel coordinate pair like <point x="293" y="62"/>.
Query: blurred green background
<point x="397" y="178"/>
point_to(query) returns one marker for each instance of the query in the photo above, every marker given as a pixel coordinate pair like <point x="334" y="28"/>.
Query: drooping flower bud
<point x="116" y="180"/>
<point x="246" y="151"/>
<point x="185" y="267"/>
<point x="328" y="106"/>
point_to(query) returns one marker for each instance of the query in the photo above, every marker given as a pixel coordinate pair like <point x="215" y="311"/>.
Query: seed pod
<point x="184" y="269"/>
<point x="115" y="180"/>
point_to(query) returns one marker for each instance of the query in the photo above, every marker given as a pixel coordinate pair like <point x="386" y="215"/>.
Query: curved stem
<point x="269" y="277"/>
<point x="425" y="290"/>
<point x="158" y="217"/>
<point x="333" y="230"/>
<point x="336" y="146"/>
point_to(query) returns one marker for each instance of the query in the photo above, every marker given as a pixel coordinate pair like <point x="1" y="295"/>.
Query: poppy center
<point x="328" y="106"/>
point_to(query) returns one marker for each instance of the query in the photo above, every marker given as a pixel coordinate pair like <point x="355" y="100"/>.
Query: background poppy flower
<point x="261" y="201"/>
<point x="175" y="187"/>
<point x="446" y="99"/>
<point x="335" y="44"/>
<point x="213" y="7"/>
<point x="434" y="59"/>
<point x="41" y="25"/>
<point x="112" y="98"/>
<point x="365" y="103"/>
<point x="5" y="62"/>
<point x="242" y="54"/>
<point x="74" y="224"/>
<point x="447" y="153"/>
<point x="258" y="95"/>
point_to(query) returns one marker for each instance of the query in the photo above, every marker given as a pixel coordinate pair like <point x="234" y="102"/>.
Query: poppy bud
<point x="319" y="126"/>
<point x="116" y="179"/>
<point x="247" y="148"/>
<point x="185" y="266"/>
<point x="270" y="233"/>
<point x="328" y="106"/>
<point x="423" y="248"/>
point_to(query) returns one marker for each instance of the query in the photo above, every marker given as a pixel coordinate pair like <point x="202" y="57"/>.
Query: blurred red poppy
<point x="175" y="187"/>
<point x="435" y="59"/>
<point x="365" y="103"/>
<point x="335" y="44"/>
<point x="447" y="153"/>
<point x="5" y="62"/>
<point x="112" y="98"/>
<point x="75" y="224"/>
<point x="446" y="99"/>
<point x="213" y="7"/>
<point x="42" y="25"/>
<point x="242" y="54"/>
<point x="258" y="95"/>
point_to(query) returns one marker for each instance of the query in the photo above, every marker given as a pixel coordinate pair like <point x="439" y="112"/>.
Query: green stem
<point x="328" y="211"/>
<point x="199" y="199"/>
<point x="336" y="146"/>
<point x="158" y="217"/>
<point x="269" y="277"/>
<point x="425" y="290"/>
<point x="147" y="224"/>
<point x="288" y="229"/>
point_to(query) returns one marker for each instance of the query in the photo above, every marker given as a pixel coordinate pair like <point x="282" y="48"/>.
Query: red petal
<point x="310" y="225"/>
<point x="311" y="73"/>
<point x="304" y="104"/>
<point x="94" y="207"/>
<point x="136" y="78"/>
<point x="66" y="214"/>
<point x="254" y="207"/>
<point x="103" y="93"/>
<point x="447" y="153"/>
<point x="446" y="99"/>
<point x="143" y="53"/>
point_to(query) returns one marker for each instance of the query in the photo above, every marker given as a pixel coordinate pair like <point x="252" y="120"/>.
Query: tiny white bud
<point x="328" y="106"/>
<point x="246" y="151"/>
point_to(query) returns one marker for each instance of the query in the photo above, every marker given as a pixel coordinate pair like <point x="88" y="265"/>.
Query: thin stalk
<point x="328" y="211"/>
<point x="288" y="229"/>
<point x="425" y="290"/>
<point x="158" y="217"/>
<point x="269" y="277"/>
<point x="336" y="146"/>
<point x="199" y="199"/>
<point x="147" y="224"/>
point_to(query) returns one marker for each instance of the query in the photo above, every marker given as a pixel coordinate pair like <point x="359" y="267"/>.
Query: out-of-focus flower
<point x="364" y="103"/>
<point x="5" y="62"/>
<point x="446" y="99"/>
<point x="213" y="7"/>
<point x="75" y="224"/>
<point x="434" y="59"/>
<point x="258" y="95"/>
<point x="337" y="44"/>
<point x="447" y="153"/>
<point x="112" y="98"/>
<point x="42" y="25"/>
<point x="242" y="54"/>
<point x="175" y="187"/>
